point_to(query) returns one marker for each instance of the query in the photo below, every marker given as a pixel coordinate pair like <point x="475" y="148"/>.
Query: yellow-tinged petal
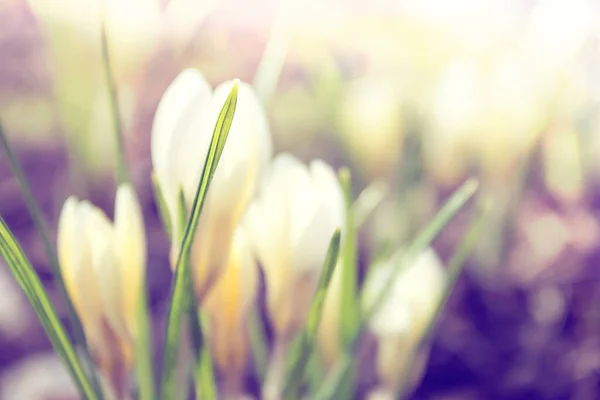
<point x="130" y="249"/>
<point x="228" y="303"/>
<point x="291" y="223"/>
<point x="75" y="254"/>
<point x="67" y="230"/>
<point x="100" y="234"/>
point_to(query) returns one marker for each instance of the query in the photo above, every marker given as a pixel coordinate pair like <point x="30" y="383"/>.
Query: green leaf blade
<point x="180" y="295"/>
<point x="307" y="339"/>
<point x="38" y="298"/>
<point x="42" y="229"/>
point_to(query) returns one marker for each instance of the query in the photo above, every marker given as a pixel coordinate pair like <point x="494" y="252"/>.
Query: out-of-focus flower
<point x="402" y="318"/>
<point x="371" y="122"/>
<point x="227" y="304"/>
<point x="39" y="377"/>
<point x="71" y="31"/>
<point x="131" y="29"/>
<point x="556" y="34"/>
<point x="490" y="112"/>
<point x="181" y="134"/>
<point x="455" y="114"/>
<point x="290" y="225"/>
<point x="103" y="266"/>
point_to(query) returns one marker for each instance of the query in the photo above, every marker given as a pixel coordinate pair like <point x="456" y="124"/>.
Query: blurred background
<point x="419" y="95"/>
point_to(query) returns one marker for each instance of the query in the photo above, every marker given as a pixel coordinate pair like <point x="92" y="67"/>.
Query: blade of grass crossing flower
<point x="38" y="298"/>
<point x="161" y="205"/>
<point x="425" y="237"/>
<point x="301" y="356"/>
<point x="349" y="304"/>
<point x="42" y="229"/>
<point x="368" y="200"/>
<point x="122" y="172"/>
<point x="203" y="375"/>
<point x="180" y="294"/>
<point x="455" y="267"/>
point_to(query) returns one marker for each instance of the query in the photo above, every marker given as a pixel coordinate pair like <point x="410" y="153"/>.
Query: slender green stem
<point x="143" y="350"/>
<point x="349" y="303"/>
<point x="300" y="358"/>
<point x="204" y="375"/>
<point x="122" y="171"/>
<point x="42" y="229"/>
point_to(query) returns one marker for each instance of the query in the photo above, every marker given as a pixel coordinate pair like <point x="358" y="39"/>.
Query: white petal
<point x="130" y="249"/>
<point x="315" y="227"/>
<point x="175" y="150"/>
<point x="67" y="233"/>
<point x="106" y="268"/>
<point x="86" y="294"/>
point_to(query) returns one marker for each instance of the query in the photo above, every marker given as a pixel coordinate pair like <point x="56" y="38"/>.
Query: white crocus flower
<point x="227" y="304"/>
<point x="103" y="267"/>
<point x="402" y="318"/>
<point x="181" y="134"/>
<point x="291" y="223"/>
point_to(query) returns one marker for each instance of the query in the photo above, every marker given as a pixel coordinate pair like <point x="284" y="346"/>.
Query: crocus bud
<point x="402" y="318"/>
<point x="291" y="223"/>
<point x="227" y="305"/>
<point x="183" y="126"/>
<point x="103" y="267"/>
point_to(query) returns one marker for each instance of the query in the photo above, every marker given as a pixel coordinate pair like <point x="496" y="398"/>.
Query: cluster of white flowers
<point x="261" y="211"/>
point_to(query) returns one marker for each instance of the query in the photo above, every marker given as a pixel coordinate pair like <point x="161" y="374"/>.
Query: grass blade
<point x="122" y="172"/>
<point x="143" y="349"/>
<point x="42" y="229"/>
<point x="368" y="200"/>
<point x="204" y="381"/>
<point x="204" y="375"/>
<point x="162" y="207"/>
<point x="181" y="297"/>
<point x="349" y="311"/>
<point x="455" y="267"/>
<point x="38" y="298"/>
<point x="425" y="237"/>
<point x="349" y="303"/>
<point x="302" y="355"/>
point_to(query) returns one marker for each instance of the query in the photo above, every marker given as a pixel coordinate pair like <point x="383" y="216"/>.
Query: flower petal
<point x="105" y="266"/>
<point x="412" y="299"/>
<point x="174" y="148"/>
<point x="130" y="250"/>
